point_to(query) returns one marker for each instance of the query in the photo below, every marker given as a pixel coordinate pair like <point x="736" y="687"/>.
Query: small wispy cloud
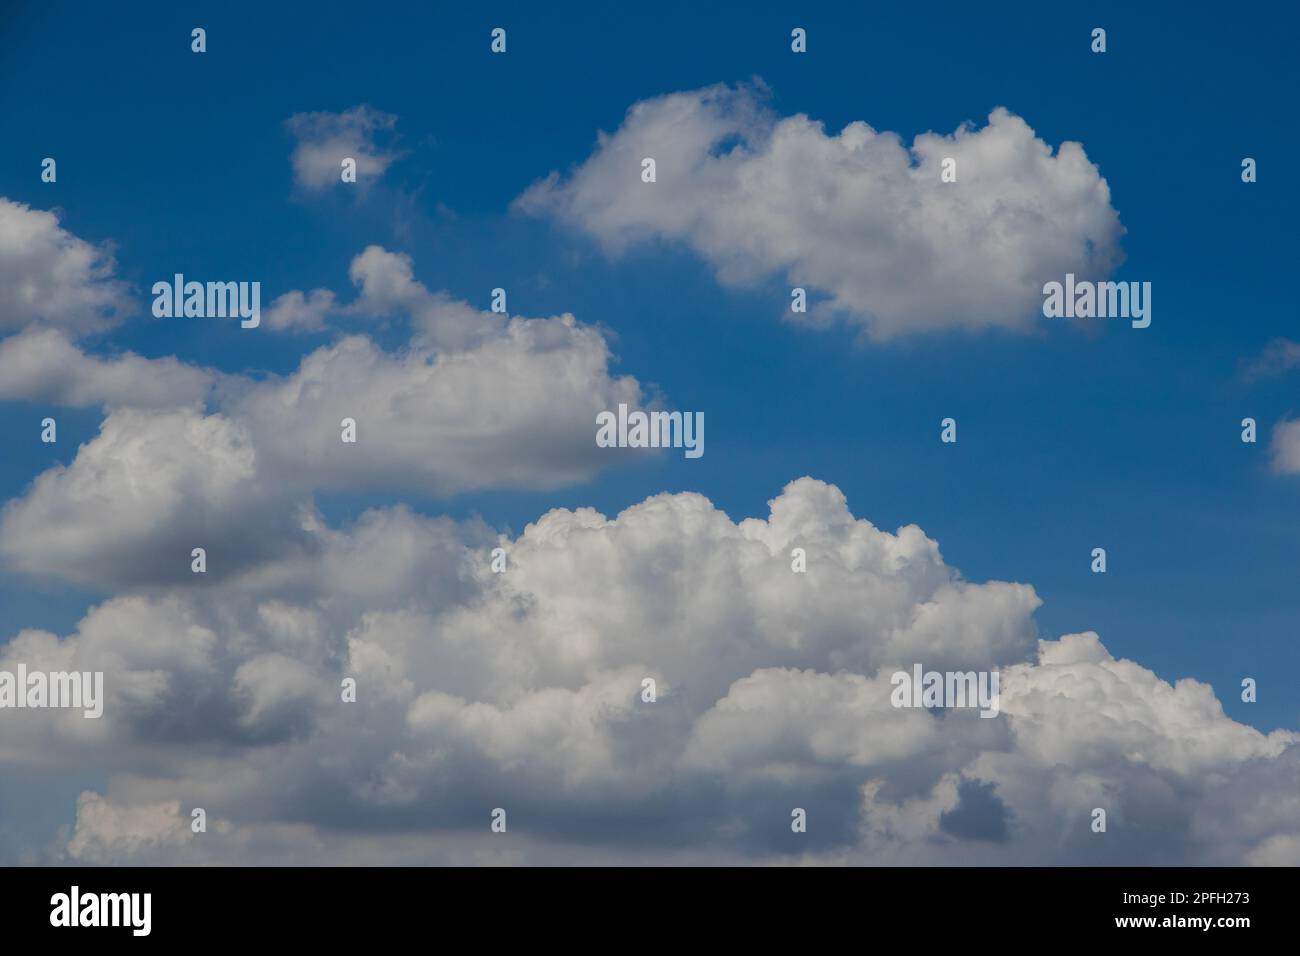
<point x="362" y="134"/>
<point x="1278" y="358"/>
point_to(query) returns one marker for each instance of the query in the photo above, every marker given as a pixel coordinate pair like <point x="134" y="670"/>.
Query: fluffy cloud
<point x="50" y="276"/>
<point x="296" y="312"/>
<point x="326" y="139"/>
<point x="138" y="498"/>
<point x="476" y="400"/>
<point x="389" y="287"/>
<point x="523" y="690"/>
<point x="103" y="826"/>
<point x="518" y="411"/>
<point x="41" y="364"/>
<point x="857" y="216"/>
<point x="55" y="288"/>
<point x="1121" y="711"/>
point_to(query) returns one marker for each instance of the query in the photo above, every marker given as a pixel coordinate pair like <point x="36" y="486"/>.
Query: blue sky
<point x="1070" y="438"/>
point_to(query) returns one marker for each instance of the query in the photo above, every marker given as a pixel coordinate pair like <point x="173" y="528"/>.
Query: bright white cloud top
<point x="856" y="215"/>
<point x="523" y="690"/>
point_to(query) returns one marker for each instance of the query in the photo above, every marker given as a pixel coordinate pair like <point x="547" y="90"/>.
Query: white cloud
<point x="517" y="411"/>
<point x="161" y="666"/>
<point x="1278" y="357"/>
<point x="326" y="139"/>
<point x="476" y="400"/>
<point x="138" y="498"/>
<point x="522" y="690"/>
<point x="103" y="826"/>
<point x="1121" y="711"/>
<point x="42" y="365"/>
<point x="50" y="276"/>
<point x="856" y="215"/>
<point x="787" y="724"/>
<point x="389" y="287"/>
<point x="1285" y="447"/>
<point x="1283" y="850"/>
<point x="296" y="312"/>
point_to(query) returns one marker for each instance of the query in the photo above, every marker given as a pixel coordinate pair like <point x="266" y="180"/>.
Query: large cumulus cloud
<point x="522" y="690"/>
